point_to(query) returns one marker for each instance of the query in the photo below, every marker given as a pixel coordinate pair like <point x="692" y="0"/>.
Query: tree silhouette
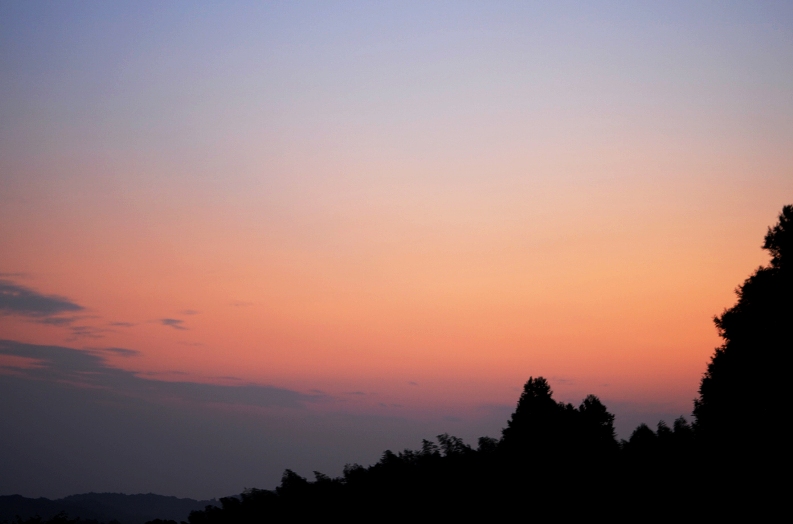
<point x="742" y="412"/>
<point x="535" y="423"/>
<point x="543" y="429"/>
<point x="743" y="394"/>
<point x="596" y="427"/>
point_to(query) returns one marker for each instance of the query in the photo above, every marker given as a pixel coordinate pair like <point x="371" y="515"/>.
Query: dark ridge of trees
<point x="555" y="460"/>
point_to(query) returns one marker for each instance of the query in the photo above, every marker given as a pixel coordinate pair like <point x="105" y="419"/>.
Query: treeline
<point x="556" y="460"/>
<point x="552" y="459"/>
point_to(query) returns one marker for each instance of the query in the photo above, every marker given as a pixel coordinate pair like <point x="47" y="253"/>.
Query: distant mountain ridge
<point x="103" y="507"/>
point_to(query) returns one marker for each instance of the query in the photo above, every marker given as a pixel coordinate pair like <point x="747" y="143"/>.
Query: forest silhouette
<point x="557" y="460"/>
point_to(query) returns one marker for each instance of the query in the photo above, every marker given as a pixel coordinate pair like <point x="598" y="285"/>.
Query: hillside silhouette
<point x="561" y="461"/>
<point x="99" y="508"/>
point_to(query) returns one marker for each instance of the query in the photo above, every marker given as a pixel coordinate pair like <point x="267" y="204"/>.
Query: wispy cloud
<point x="124" y="352"/>
<point x="77" y="331"/>
<point x="57" y="321"/>
<point x="86" y="332"/>
<point x="241" y="303"/>
<point x="189" y="312"/>
<point x="20" y="300"/>
<point x="122" y="324"/>
<point x="88" y="369"/>
<point x="173" y="322"/>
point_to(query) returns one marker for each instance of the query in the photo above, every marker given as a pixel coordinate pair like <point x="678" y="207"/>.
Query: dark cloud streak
<point x="86" y="332"/>
<point x="173" y="322"/>
<point x="65" y="365"/>
<point x="20" y="300"/>
<point x="57" y="321"/>
<point x="123" y="352"/>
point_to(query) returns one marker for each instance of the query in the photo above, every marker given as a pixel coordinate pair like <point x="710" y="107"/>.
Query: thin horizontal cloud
<point x="14" y="362"/>
<point x="57" y="321"/>
<point x="20" y="300"/>
<point x="122" y="324"/>
<point x="124" y="352"/>
<point x="86" y="332"/>
<point x="228" y="377"/>
<point x="173" y="322"/>
<point x="88" y="369"/>
<point x="189" y="312"/>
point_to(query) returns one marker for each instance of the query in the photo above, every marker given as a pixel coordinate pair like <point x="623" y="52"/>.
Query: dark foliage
<point x="742" y="409"/>
<point x="747" y="376"/>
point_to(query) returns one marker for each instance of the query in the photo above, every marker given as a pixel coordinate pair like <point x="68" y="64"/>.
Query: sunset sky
<point x="240" y="237"/>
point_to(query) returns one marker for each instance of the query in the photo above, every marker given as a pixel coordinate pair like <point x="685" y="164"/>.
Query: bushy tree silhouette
<point x="743" y="394"/>
<point x="534" y="426"/>
<point x="542" y="429"/>
<point x="597" y="433"/>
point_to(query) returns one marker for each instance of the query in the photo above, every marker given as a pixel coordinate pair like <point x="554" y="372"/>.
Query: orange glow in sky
<point x="414" y="218"/>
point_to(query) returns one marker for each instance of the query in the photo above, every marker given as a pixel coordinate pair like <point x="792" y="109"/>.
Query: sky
<point x="243" y="237"/>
